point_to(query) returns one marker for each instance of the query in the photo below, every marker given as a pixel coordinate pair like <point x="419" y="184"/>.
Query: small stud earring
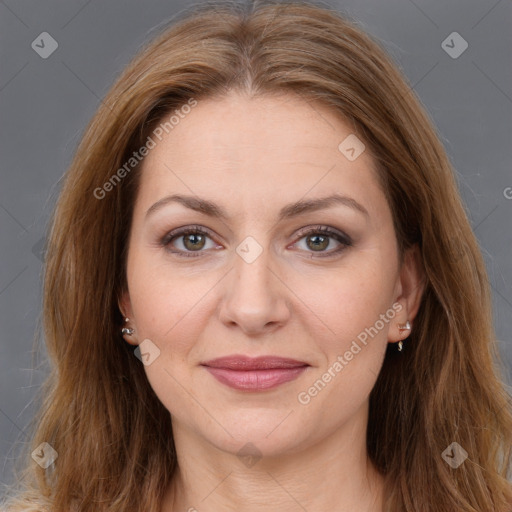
<point x="127" y="330"/>
<point x="404" y="327"/>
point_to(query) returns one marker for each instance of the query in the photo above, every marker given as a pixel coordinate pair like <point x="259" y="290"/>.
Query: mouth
<point x="255" y="374"/>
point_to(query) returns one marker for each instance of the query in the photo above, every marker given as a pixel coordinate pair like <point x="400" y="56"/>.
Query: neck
<point x="334" y="474"/>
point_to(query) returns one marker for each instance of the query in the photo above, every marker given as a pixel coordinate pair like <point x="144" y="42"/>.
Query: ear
<point x="409" y="291"/>
<point x="125" y="307"/>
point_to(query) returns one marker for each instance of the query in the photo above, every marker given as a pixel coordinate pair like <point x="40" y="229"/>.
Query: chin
<point x="267" y="432"/>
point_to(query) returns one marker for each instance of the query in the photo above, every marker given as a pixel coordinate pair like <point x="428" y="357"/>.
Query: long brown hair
<point x="98" y="411"/>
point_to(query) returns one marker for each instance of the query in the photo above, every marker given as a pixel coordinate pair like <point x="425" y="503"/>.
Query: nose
<point x="254" y="296"/>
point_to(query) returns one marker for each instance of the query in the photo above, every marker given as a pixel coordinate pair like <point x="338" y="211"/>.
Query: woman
<point x="262" y="290"/>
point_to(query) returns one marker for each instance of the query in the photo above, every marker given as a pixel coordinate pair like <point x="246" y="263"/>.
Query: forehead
<point x="258" y="151"/>
<point x="236" y="126"/>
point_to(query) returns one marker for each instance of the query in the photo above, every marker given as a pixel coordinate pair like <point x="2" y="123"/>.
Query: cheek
<point x="352" y="300"/>
<point x="170" y="311"/>
<point x="165" y="300"/>
<point x="358" y="311"/>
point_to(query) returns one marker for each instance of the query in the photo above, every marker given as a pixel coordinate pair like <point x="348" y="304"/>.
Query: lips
<point x="254" y="374"/>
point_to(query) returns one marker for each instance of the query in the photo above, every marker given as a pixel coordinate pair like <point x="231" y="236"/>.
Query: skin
<point x="252" y="156"/>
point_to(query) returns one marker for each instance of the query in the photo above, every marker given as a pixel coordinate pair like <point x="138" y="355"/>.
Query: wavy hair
<point x="98" y="411"/>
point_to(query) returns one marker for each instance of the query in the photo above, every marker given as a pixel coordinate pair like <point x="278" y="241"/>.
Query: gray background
<point x="46" y="103"/>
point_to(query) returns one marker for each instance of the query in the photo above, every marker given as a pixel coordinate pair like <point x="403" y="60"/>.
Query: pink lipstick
<point x="255" y="374"/>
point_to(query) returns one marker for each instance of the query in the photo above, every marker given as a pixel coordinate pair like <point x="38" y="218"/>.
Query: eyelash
<point x="343" y="239"/>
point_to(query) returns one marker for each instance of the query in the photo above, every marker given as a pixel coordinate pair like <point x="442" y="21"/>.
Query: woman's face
<point x="262" y="280"/>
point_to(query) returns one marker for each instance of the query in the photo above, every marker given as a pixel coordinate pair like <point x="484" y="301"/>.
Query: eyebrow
<point x="300" y="207"/>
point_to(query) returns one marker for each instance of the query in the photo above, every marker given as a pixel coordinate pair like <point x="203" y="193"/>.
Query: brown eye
<point x="194" y="241"/>
<point x="187" y="241"/>
<point x="318" y="242"/>
<point x="319" y="238"/>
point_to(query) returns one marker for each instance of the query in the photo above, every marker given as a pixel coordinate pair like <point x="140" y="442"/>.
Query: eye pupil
<point x="322" y="245"/>
<point x="196" y="238"/>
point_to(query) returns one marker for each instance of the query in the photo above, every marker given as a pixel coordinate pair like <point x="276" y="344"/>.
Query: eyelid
<point x="165" y="241"/>
<point x="185" y="230"/>
<point x="327" y="230"/>
<point x="341" y="237"/>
